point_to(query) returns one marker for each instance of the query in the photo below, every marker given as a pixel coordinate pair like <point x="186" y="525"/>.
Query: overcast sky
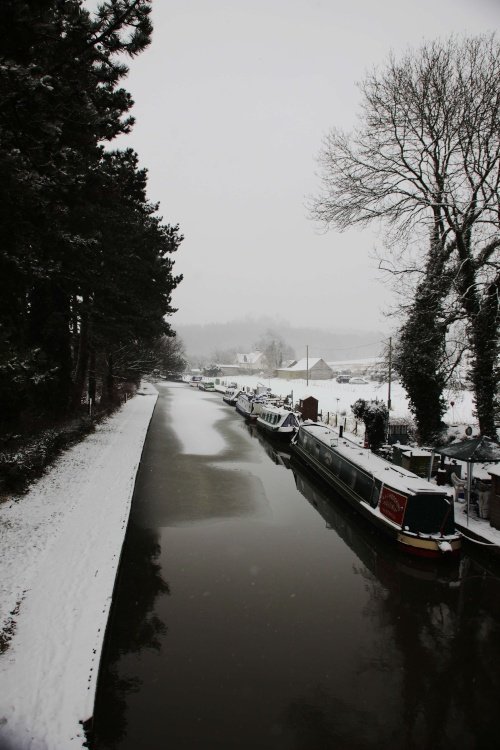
<point x="232" y="100"/>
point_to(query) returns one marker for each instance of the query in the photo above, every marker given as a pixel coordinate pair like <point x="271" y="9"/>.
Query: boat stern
<point x="430" y="546"/>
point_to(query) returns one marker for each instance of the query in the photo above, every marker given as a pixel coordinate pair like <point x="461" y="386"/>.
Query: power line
<point x="358" y="346"/>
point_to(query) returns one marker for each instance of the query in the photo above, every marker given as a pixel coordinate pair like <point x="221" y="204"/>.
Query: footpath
<point x="60" y="547"/>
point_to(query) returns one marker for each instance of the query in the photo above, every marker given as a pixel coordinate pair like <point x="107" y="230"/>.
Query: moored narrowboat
<point x="249" y="405"/>
<point x="277" y="422"/>
<point x="231" y="396"/>
<point x="417" y="514"/>
<point x="206" y="385"/>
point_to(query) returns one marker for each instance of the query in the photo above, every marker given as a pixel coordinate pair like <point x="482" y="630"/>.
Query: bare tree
<point x="425" y="162"/>
<point x="274" y="349"/>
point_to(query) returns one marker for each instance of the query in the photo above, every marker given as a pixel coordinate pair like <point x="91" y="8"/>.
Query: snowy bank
<point x="337" y="398"/>
<point x="60" y="546"/>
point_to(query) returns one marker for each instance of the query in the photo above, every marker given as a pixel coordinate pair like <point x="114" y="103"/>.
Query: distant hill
<point x="336" y="344"/>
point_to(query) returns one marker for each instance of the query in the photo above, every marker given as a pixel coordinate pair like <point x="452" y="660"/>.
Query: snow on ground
<point x="60" y="546"/>
<point x="338" y="398"/>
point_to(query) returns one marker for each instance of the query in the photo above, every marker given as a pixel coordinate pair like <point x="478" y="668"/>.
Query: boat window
<point x="348" y="473"/>
<point x="324" y="455"/>
<point x="336" y="463"/>
<point x="364" y="484"/>
<point x="375" y="493"/>
<point x="427" y="513"/>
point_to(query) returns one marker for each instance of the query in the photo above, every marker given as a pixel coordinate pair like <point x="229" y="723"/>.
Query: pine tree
<point x="77" y="275"/>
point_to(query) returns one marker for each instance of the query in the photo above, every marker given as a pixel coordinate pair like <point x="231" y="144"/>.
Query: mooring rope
<point x="476" y="541"/>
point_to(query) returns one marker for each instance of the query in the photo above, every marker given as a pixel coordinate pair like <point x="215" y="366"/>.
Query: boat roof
<point x="395" y="476"/>
<point x="276" y="409"/>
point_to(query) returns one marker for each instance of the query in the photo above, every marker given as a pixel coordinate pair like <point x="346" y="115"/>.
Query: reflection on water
<point x="288" y="622"/>
<point x="279" y="454"/>
<point x="134" y="626"/>
<point x="438" y="625"/>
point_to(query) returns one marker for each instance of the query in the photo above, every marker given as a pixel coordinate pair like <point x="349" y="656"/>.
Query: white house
<point x="251" y="362"/>
<point x="318" y="370"/>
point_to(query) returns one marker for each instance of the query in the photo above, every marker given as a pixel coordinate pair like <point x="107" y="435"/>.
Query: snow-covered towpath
<point x="60" y="546"/>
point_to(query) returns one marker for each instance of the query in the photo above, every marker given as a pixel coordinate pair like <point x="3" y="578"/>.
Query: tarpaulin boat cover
<point x="473" y="450"/>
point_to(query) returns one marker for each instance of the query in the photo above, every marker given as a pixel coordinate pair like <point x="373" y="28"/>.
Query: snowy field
<point x="60" y="546"/>
<point x="336" y="398"/>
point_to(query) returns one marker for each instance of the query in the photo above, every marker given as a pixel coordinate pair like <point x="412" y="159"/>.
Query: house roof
<point x="249" y="358"/>
<point x="302" y="364"/>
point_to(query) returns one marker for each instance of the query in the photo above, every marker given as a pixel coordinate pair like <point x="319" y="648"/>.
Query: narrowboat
<point x="206" y="385"/>
<point x="277" y="422"/>
<point x="375" y="551"/>
<point x="231" y="396"/>
<point x="417" y="514"/>
<point x="249" y="405"/>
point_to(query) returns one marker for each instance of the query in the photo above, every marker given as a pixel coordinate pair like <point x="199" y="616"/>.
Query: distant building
<point x="228" y="369"/>
<point x="317" y="367"/>
<point x="251" y="362"/>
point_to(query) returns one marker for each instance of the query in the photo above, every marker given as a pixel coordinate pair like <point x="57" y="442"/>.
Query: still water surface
<point x="254" y="610"/>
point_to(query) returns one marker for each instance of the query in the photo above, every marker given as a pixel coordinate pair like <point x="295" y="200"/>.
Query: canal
<point x="253" y="610"/>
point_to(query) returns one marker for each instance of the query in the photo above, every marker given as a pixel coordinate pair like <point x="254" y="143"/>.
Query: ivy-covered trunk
<point x="484" y="337"/>
<point x="418" y="356"/>
<point x="421" y="348"/>
<point x="482" y="310"/>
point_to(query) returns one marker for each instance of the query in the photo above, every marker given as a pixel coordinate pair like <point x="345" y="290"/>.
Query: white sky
<point x="232" y="101"/>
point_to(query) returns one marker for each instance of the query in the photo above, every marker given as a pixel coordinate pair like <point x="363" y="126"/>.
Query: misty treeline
<point x="220" y="342"/>
<point x="86" y="269"/>
<point x="424" y="162"/>
<point x="275" y="349"/>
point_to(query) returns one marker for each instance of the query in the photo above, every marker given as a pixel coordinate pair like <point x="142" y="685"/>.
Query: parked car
<point x="343" y="378"/>
<point x="358" y="381"/>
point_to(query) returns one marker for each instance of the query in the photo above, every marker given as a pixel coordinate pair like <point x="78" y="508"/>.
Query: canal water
<point x="254" y="610"/>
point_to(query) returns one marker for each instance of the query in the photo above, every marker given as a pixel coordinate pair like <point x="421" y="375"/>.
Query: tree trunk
<point x="484" y="337"/>
<point x="50" y="329"/>
<point x="482" y="313"/>
<point x="81" y="362"/>
<point x="421" y="347"/>
<point x="92" y="375"/>
<point x="110" y="382"/>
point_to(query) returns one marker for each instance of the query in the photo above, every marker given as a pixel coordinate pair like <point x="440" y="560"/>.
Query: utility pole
<point x="390" y="374"/>
<point x="307" y="365"/>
